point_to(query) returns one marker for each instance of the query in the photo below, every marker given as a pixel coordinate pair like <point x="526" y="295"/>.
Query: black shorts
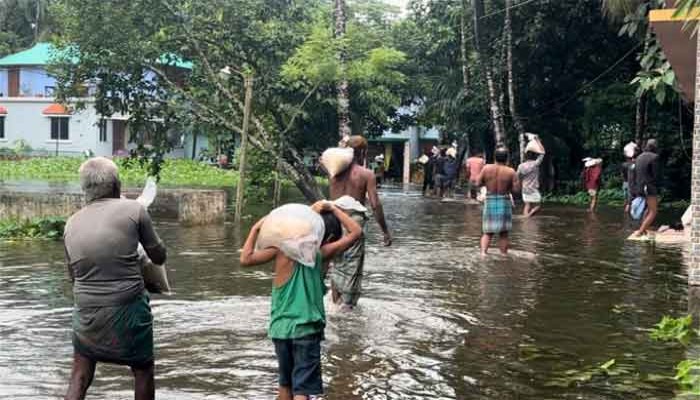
<point x="300" y="364"/>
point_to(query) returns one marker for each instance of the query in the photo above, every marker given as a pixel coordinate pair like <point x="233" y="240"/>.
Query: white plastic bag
<point x="296" y="230"/>
<point x="630" y="149"/>
<point x="349" y="203"/>
<point x="149" y="192"/>
<point x="534" y="145"/>
<point x="155" y="277"/>
<point x="687" y="217"/>
<point x="336" y="160"/>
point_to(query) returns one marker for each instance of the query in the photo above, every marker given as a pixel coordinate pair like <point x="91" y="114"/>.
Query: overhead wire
<point x="501" y="11"/>
<point x="588" y="84"/>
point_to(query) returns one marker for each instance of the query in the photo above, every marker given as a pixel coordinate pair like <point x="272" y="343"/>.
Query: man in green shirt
<point x="297" y="315"/>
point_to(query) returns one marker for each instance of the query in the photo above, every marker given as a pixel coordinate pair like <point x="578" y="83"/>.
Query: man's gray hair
<point x="99" y="177"/>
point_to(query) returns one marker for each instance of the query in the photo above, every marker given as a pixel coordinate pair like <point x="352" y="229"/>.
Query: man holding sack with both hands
<point x="112" y="320"/>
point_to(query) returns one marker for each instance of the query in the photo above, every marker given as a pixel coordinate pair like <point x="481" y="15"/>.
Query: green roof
<point x="42" y="53"/>
<point x="175" y="61"/>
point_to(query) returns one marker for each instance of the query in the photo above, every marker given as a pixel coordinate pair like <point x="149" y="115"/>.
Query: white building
<point x="30" y="116"/>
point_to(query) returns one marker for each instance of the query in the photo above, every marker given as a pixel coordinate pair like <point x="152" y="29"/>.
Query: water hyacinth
<point x="174" y="172"/>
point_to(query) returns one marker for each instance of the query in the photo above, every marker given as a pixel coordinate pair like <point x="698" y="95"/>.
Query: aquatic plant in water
<point x="42" y="228"/>
<point x="674" y="329"/>
<point x="65" y="169"/>
<point x="687" y="371"/>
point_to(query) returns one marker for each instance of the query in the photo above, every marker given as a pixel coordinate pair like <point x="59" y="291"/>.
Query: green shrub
<point x="41" y="228"/>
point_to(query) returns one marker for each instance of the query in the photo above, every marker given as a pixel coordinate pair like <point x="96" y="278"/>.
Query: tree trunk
<point x="496" y="115"/>
<point x="36" y="21"/>
<point x="342" y="87"/>
<point x="463" y="49"/>
<point x="640" y="125"/>
<point x="484" y="61"/>
<point x="240" y="189"/>
<point x="512" y="99"/>
<point x="466" y="143"/>
<point x="640" y="119"/>
<point x="277" y="189"/>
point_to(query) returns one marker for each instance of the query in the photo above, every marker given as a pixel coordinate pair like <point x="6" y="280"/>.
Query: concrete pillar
<point x="407" y="162"/>
<point x="414" y="138"/>
<point x="694" y="265"/>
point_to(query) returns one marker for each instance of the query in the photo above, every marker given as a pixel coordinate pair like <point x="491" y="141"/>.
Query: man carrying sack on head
<point x="359" y="183"/>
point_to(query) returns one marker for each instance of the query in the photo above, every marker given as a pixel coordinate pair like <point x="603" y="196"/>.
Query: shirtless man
<point x="500" y="181"/>
<point x="361" y="184"/>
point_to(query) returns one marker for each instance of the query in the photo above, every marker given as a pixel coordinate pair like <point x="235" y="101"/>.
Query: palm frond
<point x="618" y="9"/>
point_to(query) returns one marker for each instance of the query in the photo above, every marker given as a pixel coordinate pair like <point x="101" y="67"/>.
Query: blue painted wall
<point x="33" y="82"/>
<point x="3" y="83"/>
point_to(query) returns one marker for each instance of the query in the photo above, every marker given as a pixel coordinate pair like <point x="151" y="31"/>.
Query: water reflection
<point x="436" y="320"/>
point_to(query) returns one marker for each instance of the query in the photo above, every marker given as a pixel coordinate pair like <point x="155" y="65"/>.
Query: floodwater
<point x="435" y="322"/>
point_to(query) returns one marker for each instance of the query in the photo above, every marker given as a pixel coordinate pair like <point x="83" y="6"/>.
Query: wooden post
<point x="277" y="191"/>
<point x="240" y="190"/>
<point x="694" y="265"/>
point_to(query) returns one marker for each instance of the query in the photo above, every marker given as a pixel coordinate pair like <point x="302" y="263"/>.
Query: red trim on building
<point x="56" y="109"/>
<point x="3" y="110"/>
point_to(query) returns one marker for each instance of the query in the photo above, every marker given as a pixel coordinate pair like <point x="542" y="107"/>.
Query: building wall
<point x="694" y="266"/>
<point x="202" y="145"/>
<point x="25" y="121"/>
<point x="3" y="83"/>
<point x="34" y="81"/>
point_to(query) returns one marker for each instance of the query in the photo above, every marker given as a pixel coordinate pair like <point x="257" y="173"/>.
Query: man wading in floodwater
<point x="359" y="183"/>
<point x="500" y="181"/>
<point x="112" y="319"/>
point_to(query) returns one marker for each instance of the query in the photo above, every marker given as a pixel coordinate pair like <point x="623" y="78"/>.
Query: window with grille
<point x="59" y="128"/>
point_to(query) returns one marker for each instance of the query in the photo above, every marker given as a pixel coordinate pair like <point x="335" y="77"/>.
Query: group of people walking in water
<point x="112" y="320"/>
<point x="495" y="185"/>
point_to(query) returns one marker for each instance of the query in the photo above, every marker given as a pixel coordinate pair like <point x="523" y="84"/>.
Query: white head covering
<point x="589" y="162"/>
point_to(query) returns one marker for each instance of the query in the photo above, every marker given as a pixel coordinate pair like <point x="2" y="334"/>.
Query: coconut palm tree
<point x="342" y="87"/>
<point x="486" y="65"/>
<point x="618" y="9"/>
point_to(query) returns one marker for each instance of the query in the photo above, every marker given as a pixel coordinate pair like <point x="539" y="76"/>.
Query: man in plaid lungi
<point x="500" y="181"/>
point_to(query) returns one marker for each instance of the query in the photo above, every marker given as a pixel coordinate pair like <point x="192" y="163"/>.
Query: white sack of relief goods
<point x="336" y="160"/>
<point x="296" y="230"/>
<point x="155" y="277"/>
<point x="630" y="149"/>
<point x="534" y="145"/>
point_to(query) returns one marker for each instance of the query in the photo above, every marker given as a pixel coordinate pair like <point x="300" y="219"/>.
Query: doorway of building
<point x="118" y="137"/>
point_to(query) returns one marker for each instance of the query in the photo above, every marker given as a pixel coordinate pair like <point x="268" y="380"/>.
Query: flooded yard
<point x="436" y="320"/>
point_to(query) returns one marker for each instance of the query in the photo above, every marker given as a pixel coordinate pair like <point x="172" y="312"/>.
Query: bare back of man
<point x="359" y="183"/>
<point x="498" y="179"/>
<point x="353" y="182"/>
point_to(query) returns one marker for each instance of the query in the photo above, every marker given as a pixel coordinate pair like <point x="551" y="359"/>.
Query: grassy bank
<point x="611" y="197"/>
<point x="608" y="197"/>
<point x="65" y="169"/>
<point x="41" y="228"/>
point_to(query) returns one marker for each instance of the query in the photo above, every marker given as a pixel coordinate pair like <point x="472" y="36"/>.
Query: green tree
<point x="118" y="45"/>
